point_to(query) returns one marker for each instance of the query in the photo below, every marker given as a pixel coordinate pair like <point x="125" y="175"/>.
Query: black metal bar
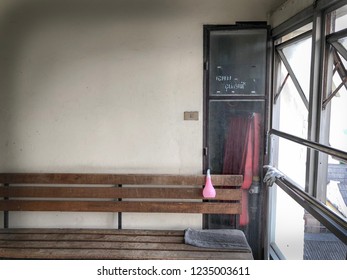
<point x="294" y="40"/>
<point x="330" y="5"/>
<point x="281" y="88"/>
<point x="331" y="95"/>
<point x="317" y="209"/>
<point x="315" y="97"/>
<point x="119" y="213"/>
<point x="340" y="68"/>
<point x="334" y="37"/>
<point x="6" y="213"/>
<point x="313" y="145"/>
<point x="340" y="48"/>
<point x="275" y="252"/>
<point x="6" y="219"/>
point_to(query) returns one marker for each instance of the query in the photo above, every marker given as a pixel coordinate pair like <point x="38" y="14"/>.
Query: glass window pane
<point x="338" y="115"/>
<point x="292" y="160"/>
<point x="299" y="236"/>
<point x="235" y="143"/>
<point x="228" y="121"/>
<point x="299" y="58"/>
<point x="344" y="62"/>
<point x="343" y="42"/>
<point x="293" y="115"/>
<point x="237" y="62"/>
<point x="339" y="19"/>
<point x="289" y="229"/>
<point x="336" y="192"/>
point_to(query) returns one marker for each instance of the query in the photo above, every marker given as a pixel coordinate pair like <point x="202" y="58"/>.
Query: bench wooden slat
<point x="106" y="245"/>
<point x="78" y="231"/>
<point x="114" y="192"/>
<point x="115" y="179"/>
<point x="119" y="254"/>
<point x="93" y="238"/>
<point x="121" y="206"/>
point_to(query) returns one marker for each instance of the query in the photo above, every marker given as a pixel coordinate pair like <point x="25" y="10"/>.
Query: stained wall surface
<point x="102" y="86"/>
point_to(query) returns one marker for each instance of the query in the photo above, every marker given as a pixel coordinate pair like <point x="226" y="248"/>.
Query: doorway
<point x="235" y="98"/>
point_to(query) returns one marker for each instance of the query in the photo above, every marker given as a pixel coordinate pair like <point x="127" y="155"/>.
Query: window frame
<point x="317" y="149"/>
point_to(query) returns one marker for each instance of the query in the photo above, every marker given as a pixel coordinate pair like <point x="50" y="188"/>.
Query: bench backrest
<point x="118" y="193"/>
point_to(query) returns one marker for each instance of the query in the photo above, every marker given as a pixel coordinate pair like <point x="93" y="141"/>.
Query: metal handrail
<point x="313" y="145"/>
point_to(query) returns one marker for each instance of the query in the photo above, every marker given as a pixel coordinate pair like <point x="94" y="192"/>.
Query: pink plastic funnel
<point x="208" y="191"/>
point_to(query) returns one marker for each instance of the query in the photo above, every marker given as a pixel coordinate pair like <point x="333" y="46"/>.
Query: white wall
<point x="101" y="86"/>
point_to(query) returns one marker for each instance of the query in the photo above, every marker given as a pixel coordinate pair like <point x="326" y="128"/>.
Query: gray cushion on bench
<point x="217" y="238"/>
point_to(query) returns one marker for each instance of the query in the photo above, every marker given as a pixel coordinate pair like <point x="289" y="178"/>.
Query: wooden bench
<point x="112" y="193"/>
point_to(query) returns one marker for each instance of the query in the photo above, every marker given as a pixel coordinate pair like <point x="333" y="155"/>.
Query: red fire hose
<point x="251" y="165"/>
